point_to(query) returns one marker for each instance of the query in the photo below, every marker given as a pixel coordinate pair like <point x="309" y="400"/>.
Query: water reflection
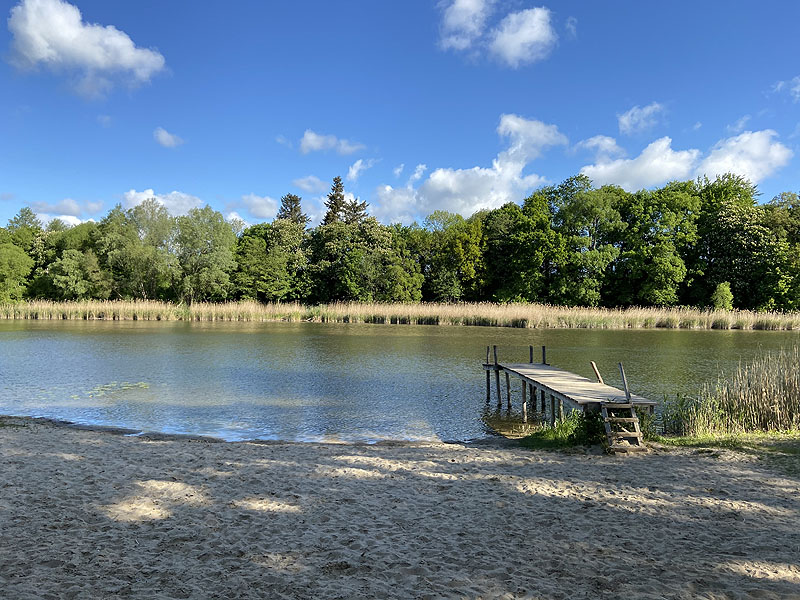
<point x="314" y="382"/>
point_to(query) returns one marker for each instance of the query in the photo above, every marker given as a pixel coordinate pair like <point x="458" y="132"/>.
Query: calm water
<point x="312" y="382"/>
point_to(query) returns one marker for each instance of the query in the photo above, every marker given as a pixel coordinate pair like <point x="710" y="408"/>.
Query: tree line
<point x="694" y="243"/>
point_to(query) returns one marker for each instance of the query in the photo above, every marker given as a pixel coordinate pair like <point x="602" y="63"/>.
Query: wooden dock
<point x="542" y="382"/>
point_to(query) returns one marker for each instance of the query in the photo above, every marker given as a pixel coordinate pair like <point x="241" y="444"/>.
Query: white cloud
<point x="739" y="125"/>
<point x="358" y="167"/>
<point x="314" y="142"/>
<point x="572" y="27"/>
<point x="419" y="171"/>
<point x="104" y="120"/>
<point x="752" y="154"/>
<point x="604" y="147"/>
<point x="282" y="140"/>
<point x="639" y="119"/>
<point x="310" y="184"/>
<point x="398" y="170"/>
<point x="262" y="207"/>
<point x="166" y="139"/>
<point x="463" y="23"/>
<point x="70" y="220"/>
<point x="657" y="164"/>
<point x="52" y="33"/>
<point x="523" y="37"/>
<point x="792" y="86"/>
<point x="68" y="207"/>
<point x="697" y="126"/>
<point x="177" y="203"/>
<point x="466" y="191"/>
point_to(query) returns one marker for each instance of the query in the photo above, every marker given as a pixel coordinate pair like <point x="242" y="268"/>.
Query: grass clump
<point x="576" y="429"/>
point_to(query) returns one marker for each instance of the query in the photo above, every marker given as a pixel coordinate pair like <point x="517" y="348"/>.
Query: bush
<point x="722" y="298"/>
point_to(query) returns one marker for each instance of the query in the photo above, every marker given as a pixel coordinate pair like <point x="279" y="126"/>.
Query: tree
<point x="15" y="266"/>
<point x="23" y="228"/>
<point x="335" y="202"/>
<point x="354" y="211"/>
<point x="77" y="276"/>
<point x="290" y="209"/>
<point x="722" y="298"/>
<point x="205" y="246"/>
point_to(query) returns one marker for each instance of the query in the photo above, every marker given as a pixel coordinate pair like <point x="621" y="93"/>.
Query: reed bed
<point x="763" y="395"/>
<point x="534" y="316"/>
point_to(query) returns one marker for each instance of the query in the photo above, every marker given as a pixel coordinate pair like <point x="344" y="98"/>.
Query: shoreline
<point x="97" y="514"/>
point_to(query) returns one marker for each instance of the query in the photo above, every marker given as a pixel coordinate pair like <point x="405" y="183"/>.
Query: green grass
<point x="779" y="451"/>
<point x="577" y="429"/>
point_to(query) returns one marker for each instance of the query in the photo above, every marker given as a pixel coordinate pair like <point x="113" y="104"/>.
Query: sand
<point x="87" y="514"/>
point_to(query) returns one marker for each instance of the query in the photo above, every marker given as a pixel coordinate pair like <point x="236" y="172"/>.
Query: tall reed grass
<point x="535" y="316"/>
<point x="763" y="395"/>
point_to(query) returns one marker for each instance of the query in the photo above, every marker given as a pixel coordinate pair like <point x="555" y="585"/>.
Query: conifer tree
<point x="290" y="209"/>
<point x="335" y="203"/>
<point x="354" y="211"/>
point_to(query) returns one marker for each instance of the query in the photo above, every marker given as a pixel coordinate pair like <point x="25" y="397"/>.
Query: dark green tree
<point x="291" y="210"/>
<point x="335" y="202"/>
<point x="15" y="266"/>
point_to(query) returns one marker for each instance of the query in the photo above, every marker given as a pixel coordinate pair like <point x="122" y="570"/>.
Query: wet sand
<point x="89" y="514"/>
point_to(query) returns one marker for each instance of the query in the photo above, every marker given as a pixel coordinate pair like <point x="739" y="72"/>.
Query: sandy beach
<point x="88" y="514"/>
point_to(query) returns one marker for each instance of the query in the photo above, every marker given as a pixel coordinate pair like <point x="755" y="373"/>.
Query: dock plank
<point x="570" y="386"/>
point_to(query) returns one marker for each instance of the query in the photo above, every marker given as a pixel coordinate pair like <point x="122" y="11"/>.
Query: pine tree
<point x="290" y="209"/>
<point x="354" y="211"/>
<point x="335" y="203"/>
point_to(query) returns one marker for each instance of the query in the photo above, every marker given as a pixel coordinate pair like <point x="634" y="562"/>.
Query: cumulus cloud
<point x="358" y="167"/>
<point x="68" y="207"/>
<point x="604" y="147"/>
<point x="523" y="37"/>
<point x="262" y="207"/>
<point x="753" y="154"/>
<point x="463" y="23"/>
<point x="177" y="203"/>
<point x="657" y="164"/>
<point x="52" y="33"/>
<point x="70" y="220"/>
<point x="398" y="170"/>
<point x="310" y="184"/>
<point x="639" y="119"/>
<point x="315" y="142"/>
<point x="166" y="139"/>
<point x="466" y="191"/>
<point x="419" y="171"/>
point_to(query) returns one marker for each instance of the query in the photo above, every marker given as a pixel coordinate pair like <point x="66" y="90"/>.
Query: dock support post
<point x="624" y="382"/>
<point x="497" y="378"/>
<point x="508" y="391"/>
<point x="560" y="409"/>
<point x="524" y="401"/>
<point x="531" y="353"/>
<point x="544" y="355"/>
<point x="488" y="378"/>
<point x="552" y="410"/>
<point x="544" y="408"/>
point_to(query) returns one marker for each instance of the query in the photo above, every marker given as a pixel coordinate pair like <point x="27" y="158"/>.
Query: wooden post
<point x="552" y="410"/>
<point x="508" y="390"/>
<point x="531" y="353"/>
<point x="544" y="408"/>
<point x="488" y="378"/>
<point x="624" y="382"/>
<point x="497" y="377"/>
<point x="597" y="373"/>
<point x="524" y="401"/>
<point x="560" y="409"/>
<point x="544" y="355"/>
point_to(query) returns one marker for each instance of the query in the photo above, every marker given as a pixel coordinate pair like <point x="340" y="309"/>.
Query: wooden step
<point x="620" y="448"/>
<point x="622" y="419"/>
<point x="616" y="405"/>
<point x="627" y="434"/>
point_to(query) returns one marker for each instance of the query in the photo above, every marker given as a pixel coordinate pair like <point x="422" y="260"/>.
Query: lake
<point x="324" y="382"/>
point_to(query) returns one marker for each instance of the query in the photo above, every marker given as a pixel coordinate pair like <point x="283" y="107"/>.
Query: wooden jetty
<point x="566" y="390"/>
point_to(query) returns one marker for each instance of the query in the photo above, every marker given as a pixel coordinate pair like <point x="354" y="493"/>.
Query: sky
<point x="458" y="105"/>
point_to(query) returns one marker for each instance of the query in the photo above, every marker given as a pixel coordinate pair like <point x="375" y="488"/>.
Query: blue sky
<point x="457" y="105"/>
